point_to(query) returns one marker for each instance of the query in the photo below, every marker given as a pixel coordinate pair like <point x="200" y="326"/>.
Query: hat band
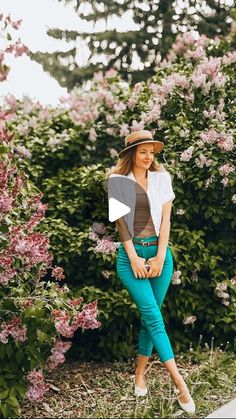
<point x="139" y="141"/>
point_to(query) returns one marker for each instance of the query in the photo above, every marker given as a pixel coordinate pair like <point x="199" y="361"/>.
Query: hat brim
<point x="158" y="146"/>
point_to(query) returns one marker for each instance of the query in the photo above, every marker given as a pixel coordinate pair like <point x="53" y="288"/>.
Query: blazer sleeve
<point x="167" y="190"/>
<point x="114" y="188"/>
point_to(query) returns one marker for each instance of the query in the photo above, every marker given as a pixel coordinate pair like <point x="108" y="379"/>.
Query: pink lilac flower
<point x="210" y="66"/>
<point x="186" y="155"/>
<point x="190" y="319"/>
<point x="92" y="135"/>
<point x="98" y="76"/>
<point x="23" y="151"/>
<point x="14" y="329"/>
<point x="202" y="161"/>
<point x="37" y="387"/>
<point x="109" y="118"/>
<point x="124" y="130"/>
<point x="176" y="278"/>
<point x="112" y="72"/>
<point x="182" y="42"/>
<point x="225" y="302"/>
<point x="76" y="302"/>
<point x="226" y="169"/>
<point x="98" y="228"/>
<point x="33" y="248"/>
<point x="225" y="141"/>
<point x="113" y="152"/>
<point x="23" y="129"/>
<point x="26" y="303"/>
<point x="210" y="180"/>
<point x="221" y="286"/>
<point x="19" y="181"/>
<point x="6" y="276"/>
<point x="225" y="182"/>
<point x="105" y="274"/>
<point x="85" y="319"/>
<point x="153" y="115"/>
<point x="180" y="211"/>
<point x="37" y="217"/>
<point x="57" y="354"/>
<point x="44" y="115"/>
<point x="58" y="273"/>
<point x="93" y="236"/>
<point x="119" y="107"/>
<point x="6" y="203"/>
<point x="223" y="294"/>
<point x="132" y="102"/>
<point x="229" y="58"/>
<point x="233" y="199"/>
<point x="198" y="54"/>
<point x="106" y="245"/>
<point x="136" y="126"/>
<point x="216" y="113"/>
<point x="11" y="101"/>
<point x="111" y="131"/>
<point x="210" y="136"/>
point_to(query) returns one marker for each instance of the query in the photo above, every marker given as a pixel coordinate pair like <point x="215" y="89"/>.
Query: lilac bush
<point x="31" y="342"/>
<point x="190" y="105"/>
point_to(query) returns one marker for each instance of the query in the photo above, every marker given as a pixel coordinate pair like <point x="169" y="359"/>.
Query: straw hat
<point x="141" y="137"/>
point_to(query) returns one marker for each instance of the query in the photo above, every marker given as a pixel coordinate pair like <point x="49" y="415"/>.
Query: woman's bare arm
<point x="164" y="230"/>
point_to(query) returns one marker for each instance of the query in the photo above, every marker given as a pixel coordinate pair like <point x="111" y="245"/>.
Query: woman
<point x="144" y="262"/>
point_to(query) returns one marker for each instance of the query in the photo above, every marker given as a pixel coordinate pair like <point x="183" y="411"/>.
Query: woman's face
<point x="144" y="155"/>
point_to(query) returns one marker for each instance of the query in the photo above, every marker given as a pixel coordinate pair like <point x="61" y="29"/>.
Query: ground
<point x="102" y="390"/>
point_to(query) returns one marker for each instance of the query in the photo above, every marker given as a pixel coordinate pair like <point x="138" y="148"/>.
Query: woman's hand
<point x="156" y="264"/>
<point x="138" y="267"/>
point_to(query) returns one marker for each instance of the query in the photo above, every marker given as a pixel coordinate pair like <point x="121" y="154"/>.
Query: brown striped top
<point x="142" y="214"/>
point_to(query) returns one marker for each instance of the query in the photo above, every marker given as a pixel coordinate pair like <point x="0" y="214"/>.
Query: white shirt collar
<point x="131" y="175"/>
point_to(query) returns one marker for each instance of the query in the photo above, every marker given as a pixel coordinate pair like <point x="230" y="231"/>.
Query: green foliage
<point x="190" y="103"/>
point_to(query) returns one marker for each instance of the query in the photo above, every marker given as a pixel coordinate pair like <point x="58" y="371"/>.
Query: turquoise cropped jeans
<point x="148" y="295"/>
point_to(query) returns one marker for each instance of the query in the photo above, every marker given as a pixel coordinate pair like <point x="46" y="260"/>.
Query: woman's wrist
<point x="160" y="255"/>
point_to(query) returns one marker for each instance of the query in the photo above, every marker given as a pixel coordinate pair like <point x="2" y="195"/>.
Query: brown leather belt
<point x="145" y="243"/>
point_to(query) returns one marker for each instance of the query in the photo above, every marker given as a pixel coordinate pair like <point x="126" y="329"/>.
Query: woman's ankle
<point x="139" y="373"/>
<point x="178" y="380"/>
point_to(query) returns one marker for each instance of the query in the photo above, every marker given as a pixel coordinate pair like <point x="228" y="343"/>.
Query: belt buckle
<point x="145" y="243"/>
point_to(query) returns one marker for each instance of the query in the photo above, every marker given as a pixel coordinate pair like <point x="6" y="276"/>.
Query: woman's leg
<point x="145" y="296"/>
<point x="160" y="286"/>
<point x="142" y="294"/>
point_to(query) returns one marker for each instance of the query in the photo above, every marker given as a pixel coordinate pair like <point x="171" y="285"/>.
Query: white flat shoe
<point x="139" y="391"/>
<point x="188" y="407"/>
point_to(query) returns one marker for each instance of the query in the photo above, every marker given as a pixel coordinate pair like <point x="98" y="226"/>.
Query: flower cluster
<point x="18" y="48"/>
<point x="221" y="139"/>
<point x="176" y="278"/>
<point x="32" y="248"/>
<point x="221" y="289"/>
<point x="190" y="319"/>
<point x="186" y="155"/>
<point x="58" y="273"/>
<point x="37" y="387"/>
<point x="57" y="354"/>
<point x="86" y="319"/>
<point x="104" y="245"/>
<point x="15" y="329"/>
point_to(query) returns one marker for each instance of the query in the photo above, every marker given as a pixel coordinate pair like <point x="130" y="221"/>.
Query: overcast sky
<point x="28" y="77"/>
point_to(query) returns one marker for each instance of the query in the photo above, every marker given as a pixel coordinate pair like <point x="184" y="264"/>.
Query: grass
<point x="105" y="390"/>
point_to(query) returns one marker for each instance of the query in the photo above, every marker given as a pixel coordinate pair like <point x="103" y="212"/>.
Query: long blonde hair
<point x="126" y="163"/>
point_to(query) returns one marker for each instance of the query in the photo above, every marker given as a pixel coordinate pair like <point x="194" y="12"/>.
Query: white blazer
<point x="159" y="191"/>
